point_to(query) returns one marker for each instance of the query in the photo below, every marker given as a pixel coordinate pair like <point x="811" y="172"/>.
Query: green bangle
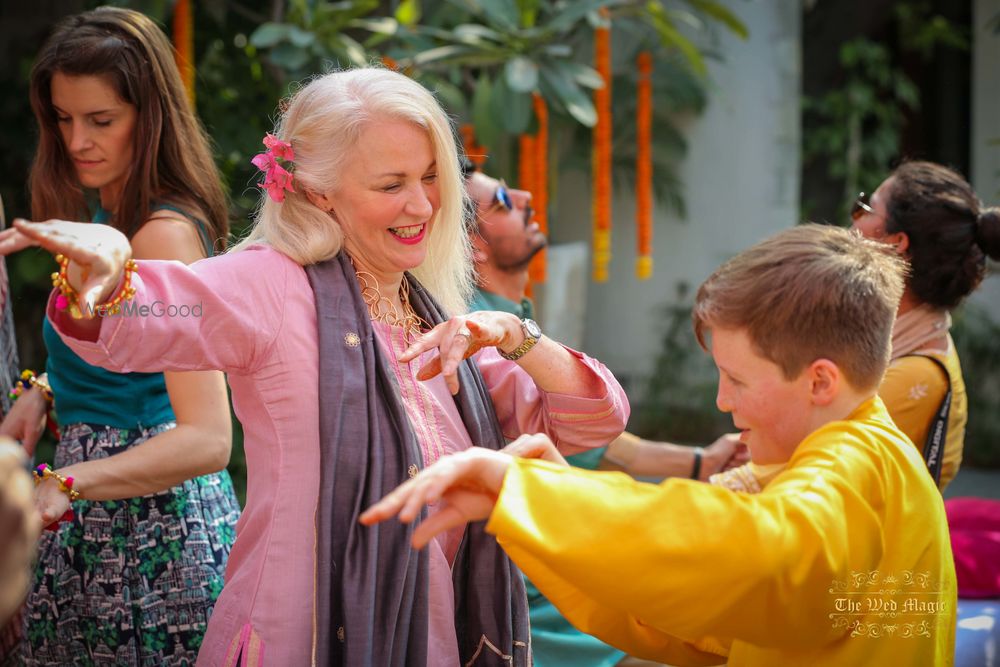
<point x="696" y="470"/>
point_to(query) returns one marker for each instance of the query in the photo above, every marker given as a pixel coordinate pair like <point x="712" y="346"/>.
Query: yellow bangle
<point x="44" y="472"/>
<point x="69" y="298"/>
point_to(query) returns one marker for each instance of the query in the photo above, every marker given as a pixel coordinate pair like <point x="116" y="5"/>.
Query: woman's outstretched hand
<point x="97" y="254"/>
<point x="467" y="484"/>
<point x="459" y="338"/>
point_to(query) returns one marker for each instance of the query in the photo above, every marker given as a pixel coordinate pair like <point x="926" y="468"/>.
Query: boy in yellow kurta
<point x="842" y="559"/>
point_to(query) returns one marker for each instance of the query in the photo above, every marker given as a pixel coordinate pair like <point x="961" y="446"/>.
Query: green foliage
<point x="855" y="129"/>
<point x="922" y="32"/>
<point x="319" y="35"/>
<point x="232" y="79"/>
<point x="485" y="59"/>
<point x="976" y="336"/>
<point x="860" y="123"/>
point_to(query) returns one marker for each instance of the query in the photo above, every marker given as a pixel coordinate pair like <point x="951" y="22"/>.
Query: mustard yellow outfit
<point x="913" y="389"/>
<point x="793" y="575"/>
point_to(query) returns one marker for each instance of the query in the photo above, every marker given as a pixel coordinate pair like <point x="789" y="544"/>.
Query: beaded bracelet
<point x="28" y="380"/>
<point x="69" y="298"/>
<point x="44" y="472"/>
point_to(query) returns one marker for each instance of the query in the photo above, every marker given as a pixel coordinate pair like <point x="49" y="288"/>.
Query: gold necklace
<point x="381" y="309"/>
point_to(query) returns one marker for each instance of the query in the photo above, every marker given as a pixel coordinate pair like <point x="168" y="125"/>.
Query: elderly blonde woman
<point x="349" y="375"/>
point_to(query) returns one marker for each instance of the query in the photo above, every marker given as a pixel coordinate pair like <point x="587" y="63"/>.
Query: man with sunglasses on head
<point x="504" y="240"/>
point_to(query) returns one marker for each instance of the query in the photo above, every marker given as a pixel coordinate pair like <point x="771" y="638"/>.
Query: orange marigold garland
<point x="602" y="153"/>
<point x="527" y="170"/>
<point x="540" y="193"/>
<point x="526" y="167"/>
<point x="184" y="45"/>
<point x="475" y="152"/>
<point x="644" y="169"/>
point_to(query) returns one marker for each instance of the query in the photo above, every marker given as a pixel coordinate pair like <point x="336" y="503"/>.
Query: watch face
<point x="532" y="328"/>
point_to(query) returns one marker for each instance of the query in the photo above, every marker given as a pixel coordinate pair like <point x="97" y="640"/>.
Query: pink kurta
<point x="264" y="336"/>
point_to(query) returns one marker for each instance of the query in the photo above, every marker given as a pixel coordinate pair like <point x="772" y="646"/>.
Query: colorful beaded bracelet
<point x="28" y="380"/>
<point x="69" y="298"/>
<point x="43" y="472"/>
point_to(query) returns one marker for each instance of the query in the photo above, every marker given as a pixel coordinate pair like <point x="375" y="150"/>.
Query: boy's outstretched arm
<point x="469" y="484"/>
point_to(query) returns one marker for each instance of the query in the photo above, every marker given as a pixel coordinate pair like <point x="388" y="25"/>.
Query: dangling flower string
<point x="277" y="179"/>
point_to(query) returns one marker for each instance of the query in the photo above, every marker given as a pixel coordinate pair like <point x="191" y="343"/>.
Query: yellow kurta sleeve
<point x="639" y="564"/>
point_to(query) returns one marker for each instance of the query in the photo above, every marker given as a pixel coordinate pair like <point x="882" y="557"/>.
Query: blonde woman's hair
<point x="322" y="121"/>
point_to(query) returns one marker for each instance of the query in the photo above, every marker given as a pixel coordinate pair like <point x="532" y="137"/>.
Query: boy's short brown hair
<point x="810" y="292"/>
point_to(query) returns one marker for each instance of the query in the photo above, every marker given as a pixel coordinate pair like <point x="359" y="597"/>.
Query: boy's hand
<point x="468" y="484"/>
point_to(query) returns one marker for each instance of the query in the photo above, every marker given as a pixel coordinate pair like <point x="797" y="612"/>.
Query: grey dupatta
<point x="371" y="599"/>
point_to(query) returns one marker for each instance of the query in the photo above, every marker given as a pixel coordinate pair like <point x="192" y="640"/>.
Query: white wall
<point x="986" y="128"/>
<point x="741" y="184"/>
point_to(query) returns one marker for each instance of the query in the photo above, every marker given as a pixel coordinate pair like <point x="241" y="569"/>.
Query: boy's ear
<point x="825" y="378"/>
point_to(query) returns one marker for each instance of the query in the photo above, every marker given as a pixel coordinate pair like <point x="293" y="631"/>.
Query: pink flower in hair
<point x="277" y="179"/>
<point x="264" y="161"/>
<point x="278" y="148"/>
<point x="276" y="182"/>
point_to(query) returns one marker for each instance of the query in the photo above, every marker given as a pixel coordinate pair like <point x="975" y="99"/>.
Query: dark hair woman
<point x="934" y="219"/>
<point x="133" y="576"/>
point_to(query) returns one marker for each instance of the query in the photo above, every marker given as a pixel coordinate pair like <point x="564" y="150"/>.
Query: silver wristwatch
<point x="532" y="332"/>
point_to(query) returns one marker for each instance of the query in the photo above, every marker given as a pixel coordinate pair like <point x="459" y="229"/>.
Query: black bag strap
<point x="938" y="431"/>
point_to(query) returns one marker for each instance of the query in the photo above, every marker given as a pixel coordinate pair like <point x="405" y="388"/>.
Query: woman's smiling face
<point x="387" y="197"/>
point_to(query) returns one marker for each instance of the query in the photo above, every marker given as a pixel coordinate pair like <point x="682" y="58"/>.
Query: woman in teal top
<point x="132" y="578"/>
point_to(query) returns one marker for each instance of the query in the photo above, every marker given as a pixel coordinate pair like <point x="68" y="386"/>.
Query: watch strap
<point x="522" y="349"/>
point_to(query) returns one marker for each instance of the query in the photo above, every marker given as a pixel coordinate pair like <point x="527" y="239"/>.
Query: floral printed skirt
<point x="129" y="582"/>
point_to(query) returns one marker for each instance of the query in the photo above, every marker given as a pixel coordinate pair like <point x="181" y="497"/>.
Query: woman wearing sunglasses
<point x="933" y="218"/>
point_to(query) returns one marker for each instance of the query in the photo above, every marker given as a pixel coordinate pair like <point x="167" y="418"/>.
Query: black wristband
<point x="696" y="470"/>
